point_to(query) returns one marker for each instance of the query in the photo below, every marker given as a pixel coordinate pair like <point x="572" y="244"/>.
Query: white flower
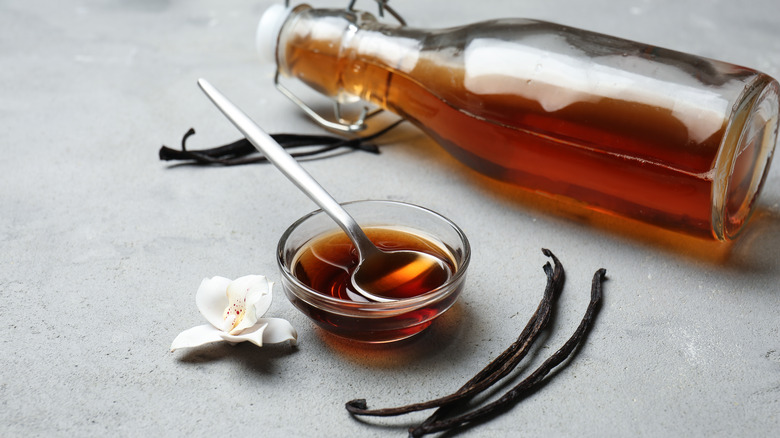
<point x="233" y="309"/>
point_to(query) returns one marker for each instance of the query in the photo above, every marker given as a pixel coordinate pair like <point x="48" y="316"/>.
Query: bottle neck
<point x="344" y="54"/>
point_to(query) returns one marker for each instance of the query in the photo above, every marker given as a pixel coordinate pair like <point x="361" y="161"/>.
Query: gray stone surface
<point x="103" y="246"/>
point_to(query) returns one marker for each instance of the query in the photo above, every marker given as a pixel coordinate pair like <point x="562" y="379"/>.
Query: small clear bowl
<point x="375" y="322"/>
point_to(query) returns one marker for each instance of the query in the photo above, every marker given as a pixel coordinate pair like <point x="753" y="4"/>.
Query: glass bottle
<point x="664" y="137"/>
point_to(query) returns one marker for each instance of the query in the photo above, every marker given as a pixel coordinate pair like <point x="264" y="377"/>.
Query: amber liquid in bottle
<point x="625" y="157"/>
<point x="326" y="264"/>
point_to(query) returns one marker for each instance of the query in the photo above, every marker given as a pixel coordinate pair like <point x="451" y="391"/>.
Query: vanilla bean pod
<point x="511" y="352"/>
<point x="499" y="367"/>
<point x="521" y="389"/>
<point x="243" y="152"/>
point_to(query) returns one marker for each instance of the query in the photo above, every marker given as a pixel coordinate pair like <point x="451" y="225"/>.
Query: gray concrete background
<point x="103" y="246"/>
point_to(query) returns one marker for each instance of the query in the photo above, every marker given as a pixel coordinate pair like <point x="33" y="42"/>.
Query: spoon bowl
<point x="394" y="275"/>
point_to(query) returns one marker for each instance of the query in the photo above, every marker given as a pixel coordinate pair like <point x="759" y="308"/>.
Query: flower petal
<point x="196" y="336"/>
<point x="266" y="331"/>
<point x="278" y="330"/>
<point x="212" y="300"/>
<point x="253" y="334"/>
<point x="263" y="302"/>
<point x="244" y="295"/>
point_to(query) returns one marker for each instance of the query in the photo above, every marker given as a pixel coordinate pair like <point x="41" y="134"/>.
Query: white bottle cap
<point x="268" y="31"/>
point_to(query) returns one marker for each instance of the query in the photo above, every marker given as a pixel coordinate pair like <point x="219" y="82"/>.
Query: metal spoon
<point x="379" y="273"/>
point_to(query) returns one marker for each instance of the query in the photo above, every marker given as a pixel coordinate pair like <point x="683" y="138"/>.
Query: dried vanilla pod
<point x="501" y="366"/>
<point x="527" y="385"/>
<point x="243" y="152"/>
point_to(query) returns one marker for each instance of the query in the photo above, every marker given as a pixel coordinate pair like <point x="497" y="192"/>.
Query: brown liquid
<point x="326" y="265"/>
<point x="563" y="164"/>
<point x="619" y="157"/>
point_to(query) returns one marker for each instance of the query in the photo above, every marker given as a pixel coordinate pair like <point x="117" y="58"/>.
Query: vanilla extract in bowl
<point x="327" y="263"/>
<point x="317" y="260"/>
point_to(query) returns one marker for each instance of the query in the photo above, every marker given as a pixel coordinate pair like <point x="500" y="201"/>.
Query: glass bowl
<point x="374" y="322"/>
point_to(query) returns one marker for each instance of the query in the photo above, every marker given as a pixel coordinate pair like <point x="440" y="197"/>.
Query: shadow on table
<point x="756" y="251"/>
<point x="259" y="360"/>
<point x="424" y="346"/>
<point x="437" y="338"/>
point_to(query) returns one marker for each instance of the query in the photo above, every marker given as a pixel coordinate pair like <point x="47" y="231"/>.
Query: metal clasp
<point x="382" y="4"/>
<point x="340" y="124"/>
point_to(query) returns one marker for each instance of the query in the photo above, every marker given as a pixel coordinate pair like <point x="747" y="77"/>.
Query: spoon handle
<point x="290" y="168"/>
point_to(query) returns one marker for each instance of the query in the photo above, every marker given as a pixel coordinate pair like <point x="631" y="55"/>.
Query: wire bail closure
<point x="340" y="124"/>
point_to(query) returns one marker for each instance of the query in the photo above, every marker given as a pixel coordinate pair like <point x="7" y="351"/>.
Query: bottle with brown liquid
<point x="664" y="137"/>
